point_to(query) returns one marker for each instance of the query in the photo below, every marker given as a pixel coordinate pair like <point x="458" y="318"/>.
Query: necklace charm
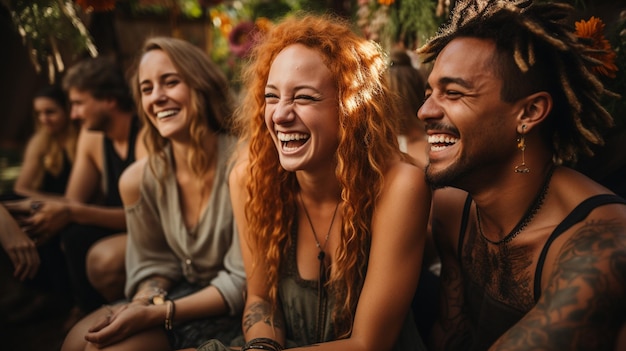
<point x="321" y="255"/>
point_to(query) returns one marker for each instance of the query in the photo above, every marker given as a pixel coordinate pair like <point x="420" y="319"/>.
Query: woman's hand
<point x="20" y="248"/>
<point x="122" y="321"/>
<point x="47" y="218"/>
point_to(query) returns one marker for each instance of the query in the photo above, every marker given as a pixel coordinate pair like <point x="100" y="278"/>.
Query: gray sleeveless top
<point x="299" y="301"/>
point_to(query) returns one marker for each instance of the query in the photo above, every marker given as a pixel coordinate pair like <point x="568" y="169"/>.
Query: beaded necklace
<point x="528" y="216"/>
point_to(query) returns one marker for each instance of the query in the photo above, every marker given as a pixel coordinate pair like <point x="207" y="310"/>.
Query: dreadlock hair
<point x="367" y="139"/>
<point x="537" y="50"/>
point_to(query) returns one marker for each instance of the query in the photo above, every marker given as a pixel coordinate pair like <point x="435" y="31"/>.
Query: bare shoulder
<point x="403" y="176"/>
<point x="239" y="173"/>
<point x="130" y="181"/>
<point x="600" y="223"/>
<point x="89" y="145"/>
<point x="584" y="288"/>
<point x="36" y="145"/>
<point x="598" y="241"/>
<point x="573" y="187"/>
<point x="88" y="137"/>
<point x="447" y="212"/>
<point x="404" y="199"/>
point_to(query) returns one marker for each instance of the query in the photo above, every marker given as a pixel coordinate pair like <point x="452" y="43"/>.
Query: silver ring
<point x="35" y="205"/>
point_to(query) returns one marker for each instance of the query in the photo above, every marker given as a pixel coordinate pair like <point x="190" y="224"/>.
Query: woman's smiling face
<point x="301" y="110"/>
<point x="50" y="114"/>
<point x="165" y="97"/>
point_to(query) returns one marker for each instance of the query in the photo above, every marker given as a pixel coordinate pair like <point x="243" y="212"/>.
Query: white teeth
<point x="437" y="148"/>
<point x="441" y="139"/>
<point x="163" y="114"/>
<point x="292" y="136"/>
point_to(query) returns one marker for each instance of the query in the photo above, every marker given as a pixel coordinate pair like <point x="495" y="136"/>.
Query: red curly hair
<point x="367" y="138"/>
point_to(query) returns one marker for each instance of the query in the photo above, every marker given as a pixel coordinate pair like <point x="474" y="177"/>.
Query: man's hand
<point x="46" y="219"/>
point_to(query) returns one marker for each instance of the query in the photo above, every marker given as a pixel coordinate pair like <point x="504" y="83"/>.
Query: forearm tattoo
<point x="583" y="307"/>
<point x="260" y="312"/>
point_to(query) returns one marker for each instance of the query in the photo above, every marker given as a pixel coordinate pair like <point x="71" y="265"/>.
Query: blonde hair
<point x="211" y="100"/>
<point x="367" y="138"/>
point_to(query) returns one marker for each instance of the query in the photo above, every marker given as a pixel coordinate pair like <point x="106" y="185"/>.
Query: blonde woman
<point x="185" y="278"/>
<point x="50" y="152"/>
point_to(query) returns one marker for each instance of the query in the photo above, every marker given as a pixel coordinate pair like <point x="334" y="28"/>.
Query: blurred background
<point x="40" y="39"/>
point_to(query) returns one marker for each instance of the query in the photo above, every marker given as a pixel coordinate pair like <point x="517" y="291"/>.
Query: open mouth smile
<point x="292" y="141"/>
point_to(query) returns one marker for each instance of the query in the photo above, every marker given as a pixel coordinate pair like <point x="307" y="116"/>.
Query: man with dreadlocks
<point x="533" y="252"/>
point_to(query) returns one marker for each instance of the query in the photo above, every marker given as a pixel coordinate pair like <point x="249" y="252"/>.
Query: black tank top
<point x="492" y="318"/>
<point x="56" y="184"/>
<point x="114" y="165"/>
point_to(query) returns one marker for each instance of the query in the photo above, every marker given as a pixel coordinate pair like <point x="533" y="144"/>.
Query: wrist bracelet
<point x="262" y="344"/>
<point x="169" y="315"/>
<point x="259" y="347"/>
<point x="155" y="296"/>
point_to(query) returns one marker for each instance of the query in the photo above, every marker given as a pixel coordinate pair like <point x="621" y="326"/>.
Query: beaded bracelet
<point x="262" y="344"/>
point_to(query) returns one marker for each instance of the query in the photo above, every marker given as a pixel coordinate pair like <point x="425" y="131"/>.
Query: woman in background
<point x="38" y="263"/>
<point x="408" y="86"/>
<point x="50" y="151"/>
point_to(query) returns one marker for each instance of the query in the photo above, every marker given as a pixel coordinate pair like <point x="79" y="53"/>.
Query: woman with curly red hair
<point x="332" y="215"/>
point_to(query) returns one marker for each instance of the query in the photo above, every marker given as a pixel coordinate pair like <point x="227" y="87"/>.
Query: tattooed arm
<point x="257" y="317"/>
<point x="151" y="286"/>
<point x="451" y="330"/>
<point x="258" y="321"/>
<point x="582" y="305"/>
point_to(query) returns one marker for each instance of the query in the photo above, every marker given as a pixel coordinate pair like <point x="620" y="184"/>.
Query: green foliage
<point x="46" y="24"/>
<point x="412" y="21"/>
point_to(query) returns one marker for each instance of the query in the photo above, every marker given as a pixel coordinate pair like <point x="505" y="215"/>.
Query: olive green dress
<point x="299" y="300"/>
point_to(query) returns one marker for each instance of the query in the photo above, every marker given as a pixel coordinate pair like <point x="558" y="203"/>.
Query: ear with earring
<point x="521" y="144"/>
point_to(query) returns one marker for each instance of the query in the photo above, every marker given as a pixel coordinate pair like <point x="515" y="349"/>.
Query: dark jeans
<point x="76" y="240"/>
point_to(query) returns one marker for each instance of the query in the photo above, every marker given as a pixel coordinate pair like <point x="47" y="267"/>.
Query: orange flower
<point x="264" y="24"/>
<point x="386" y="2"/>
<point x="96" y="5"/>
<point x="599" y="45"/>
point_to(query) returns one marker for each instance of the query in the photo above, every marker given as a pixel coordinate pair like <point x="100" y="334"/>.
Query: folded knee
<point x="102" y="263"/>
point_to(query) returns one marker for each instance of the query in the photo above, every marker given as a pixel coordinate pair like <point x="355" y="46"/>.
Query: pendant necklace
<point x="321" y="293"/>
<point x="528" y="216"/>
<point x="321" y="247"/>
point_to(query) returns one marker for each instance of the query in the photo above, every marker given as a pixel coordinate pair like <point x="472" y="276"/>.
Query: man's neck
<point x="502" y="210"/>
<point x="119" y="127"/>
